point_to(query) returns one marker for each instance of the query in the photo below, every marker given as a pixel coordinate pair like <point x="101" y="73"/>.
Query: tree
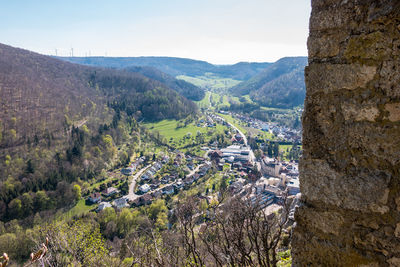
<point x="77" y="192"/>
<point x="8" y="242"/>
<point x="77" y="243"/>
<point x="41" y="201"/>
<point x="29" y="166"/>
<point x="186" y="212"/>
<point x="27" y="204"/>
<point x="269" y="150"/>
<point x="238" y="232"/>
<point x="276" y="150"/>
<point x="1" y="132"/>
<point x="243" y="234"/>
<point x="13" y="134"/>
<point x="126" y="222"/>
<point x="162" y="220"/>
<point x="257" y="153"/>
<point x="155" y="208"/>
<point x="15" y="208"/>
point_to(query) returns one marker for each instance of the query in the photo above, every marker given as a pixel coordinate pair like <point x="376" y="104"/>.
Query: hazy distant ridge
<point x="175" y="66"/>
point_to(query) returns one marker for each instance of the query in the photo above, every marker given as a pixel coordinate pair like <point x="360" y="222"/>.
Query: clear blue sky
<point x="218" y="31"/>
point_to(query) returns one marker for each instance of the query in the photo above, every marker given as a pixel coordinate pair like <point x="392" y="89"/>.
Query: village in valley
<point x="247" y="166"/>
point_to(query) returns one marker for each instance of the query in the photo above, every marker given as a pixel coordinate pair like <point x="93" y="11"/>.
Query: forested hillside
<point x="61" y="122"/>
<point x="279" y="85"/>
<point x="184" y="88"/>
<point x="175" y="66"/>
<point x="286" y="91"/>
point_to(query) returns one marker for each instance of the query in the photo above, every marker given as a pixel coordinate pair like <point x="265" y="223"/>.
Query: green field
<point x="219" y="100"/>
<point x="277" y="109"/>
<point x="234" y="121"/>
<point x="267" y="135"/>
<point x="205" y="102"/>
<point x="210" y="81"/>
<point x="284" y="150"/>
<point x="168" y="129"/>
<point x="79" y="209"/>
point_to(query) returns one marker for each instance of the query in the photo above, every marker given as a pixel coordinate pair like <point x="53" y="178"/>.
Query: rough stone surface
<point x="397" y="231"/>
<point x="398" y="203"/>
<point x="328" y="78"/>
<point x="350" y="170"/>
<point x="394" y="111"/>
<point x="395" y="262"/>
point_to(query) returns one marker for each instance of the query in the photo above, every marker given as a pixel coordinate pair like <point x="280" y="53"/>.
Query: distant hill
<point x="184" y="88"/>
<point x="286" y="91"/>
<point x="281" y="84"/>
<point x="38" y="93"/>
<point x="242" y="70"/>
<point x="175" y="66"/>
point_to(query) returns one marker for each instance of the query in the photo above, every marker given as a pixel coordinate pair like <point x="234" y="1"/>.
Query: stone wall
<point x="350" y="170"/>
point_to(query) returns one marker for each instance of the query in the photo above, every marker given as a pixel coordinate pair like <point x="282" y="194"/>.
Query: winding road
<point x="252" y="157"/>
<point x="131" y="195"/>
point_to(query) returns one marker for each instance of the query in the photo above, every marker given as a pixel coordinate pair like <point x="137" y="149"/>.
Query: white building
<point x="120" y="203"/>
<point x="293" y="187"/>
<point x="103" y="205"/>
<point x="144" y="188"/>
<point x="270" y="167"/>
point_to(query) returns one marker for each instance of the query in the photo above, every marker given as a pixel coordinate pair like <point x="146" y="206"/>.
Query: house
<point x="145" y="177"/>
<point x="128" y="171"/>
<point x="143" y="200"/>
<point x="237" y="185"/>
<point x="110" y="191"/>
<point x="239" y="153"/>
<point x="215" y="155"/>
<point x="120" y="203"/>
<point x="196" y="176"/>
<point x="168" y="190"/>
<point x="238" y="138"/>
<point x="156" y="193"/>
<point x="265" y="128"/>
<point x="179" y="185"/>
<point x="144" y="188"/>
<point x="189" y="180"/>
<point x="154" y="186"/>
<point x="220" y="166"/>
<point x="214" y="145"/>
<point x="270" y="167"/>
<point x="158" y="165"/>
<point x="293" y="187"/>
<point x="263" y="200"/>
<point x="102" y="206"/>
<point x="95" y="198"/>
<point x="190" y="166"/>
<point x="165" y="179"/>
<point x="165" y="159"/>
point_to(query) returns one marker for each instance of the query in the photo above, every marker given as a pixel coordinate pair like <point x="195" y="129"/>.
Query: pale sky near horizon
<point x="217" y="31"/>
